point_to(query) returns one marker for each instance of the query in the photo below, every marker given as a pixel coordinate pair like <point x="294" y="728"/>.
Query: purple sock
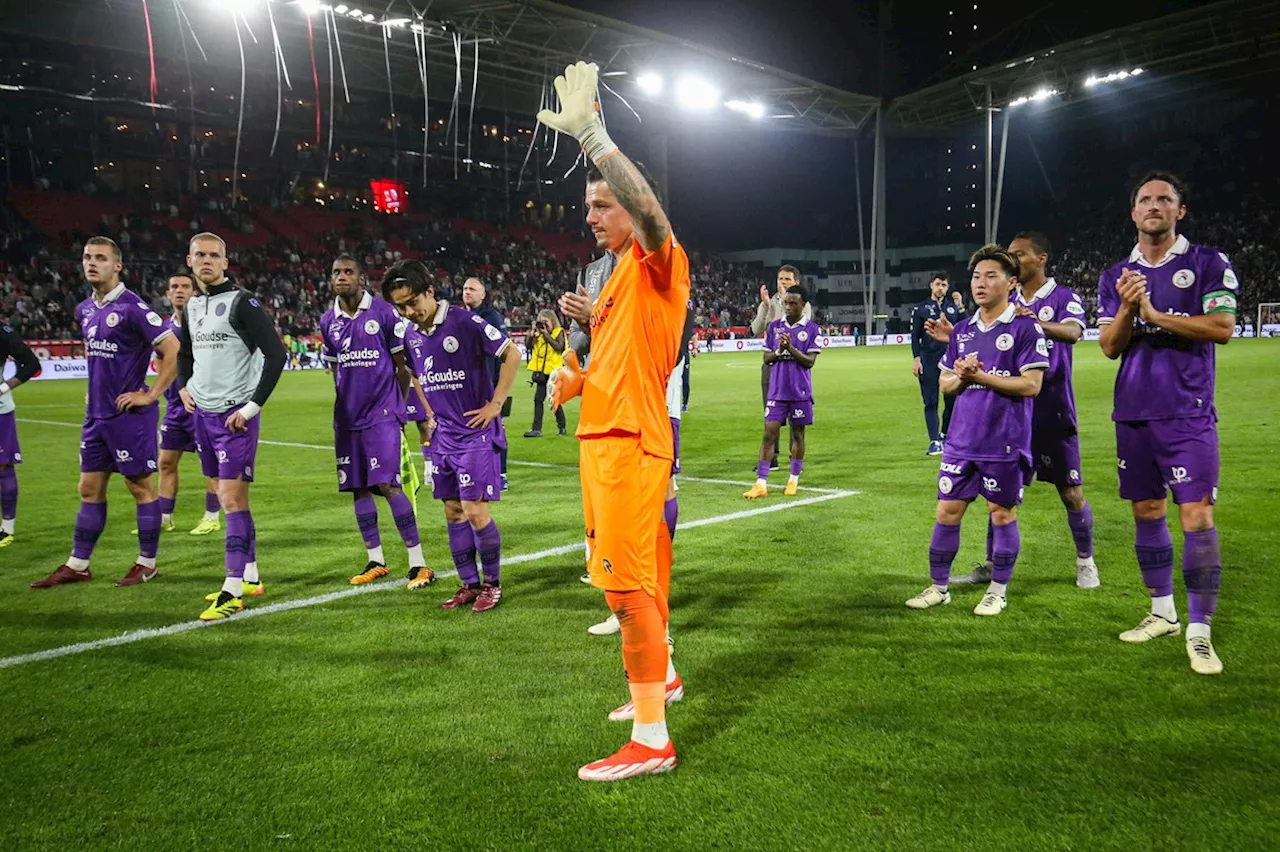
<point x="762" y="470"/>
<point x="991" y="538"/>
<point x="1005" y="544"/>
<point x="239" y="536"/>
<point x="489" y="546"/>
<point x="91" y="520"/>
<point x="942" y="552"/>
<point x="1202" y="572"/>
<point x="1154" y="547"/>
<point x="211" y="503"/>
<point x="797" y="467"/>
<point x="8" y="493"/>
<point x="406" y="521"/>
<point x="1081" y="524"/>
<point x="367" y="520"/>
<point x="462" y="546"/>
<point x="253" y="540"/>
<point x="671" y="512"/>
<point x="148" y="529"/>
<point x="166" y="506"/>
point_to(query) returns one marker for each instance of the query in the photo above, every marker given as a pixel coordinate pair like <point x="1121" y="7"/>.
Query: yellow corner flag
<point x="409" y="475"/>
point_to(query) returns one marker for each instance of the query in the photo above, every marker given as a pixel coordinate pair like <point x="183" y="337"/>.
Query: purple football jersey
<point x="360" y="348"/>
<point x="118" y="339"/>
<point x="787" y="379"/>
<point x="172" y="399"/>
<point x="1056" y="404"/>
<point x="987" y="425"/>
<point x="1163" y="376"/>
<point x="449" y="361"/>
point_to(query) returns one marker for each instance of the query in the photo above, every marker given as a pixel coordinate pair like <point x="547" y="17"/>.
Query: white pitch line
<point x="545" y="465"/>
<point x="284" y="606"/>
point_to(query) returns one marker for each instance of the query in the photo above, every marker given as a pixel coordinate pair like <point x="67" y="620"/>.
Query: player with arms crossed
<point x="178" y="429"/>
<point x="790" y="351"/>
<point x="229" y="363"/>
<point x="625" y="430"/>
<point x="364" y="343"/>
<point x="995" y="365"/>
<point x="1161" y="311"/>
<point x="119" y="434"/>
<point x="450" y="357"/>
<point x="26" y="365"/>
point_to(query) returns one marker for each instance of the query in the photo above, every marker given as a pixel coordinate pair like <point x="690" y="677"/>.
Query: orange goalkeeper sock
<point x="644" y="653"/>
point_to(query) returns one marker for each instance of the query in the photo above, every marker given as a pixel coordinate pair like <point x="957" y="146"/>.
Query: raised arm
<point x="579" y="117"/>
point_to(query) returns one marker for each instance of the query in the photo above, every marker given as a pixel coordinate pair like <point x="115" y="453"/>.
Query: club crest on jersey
<point x="1183" y="278"/>
<point x="1046" y="313"/>
<point x="113" y="320"/>
<point x="450" y="344"/>
<point x="1004" y="342"/>
<point x="221" y="309"/>
<point x="803" y="336"/>
<point x="371" y="327"/>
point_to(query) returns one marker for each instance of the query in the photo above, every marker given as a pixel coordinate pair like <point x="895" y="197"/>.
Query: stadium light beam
<point x="1036" y="97"/>
<point x="696" y="94"/>
<point x="1115" y="76"/>
<point x="749" y="108"/>
<point x="650" y="84"/>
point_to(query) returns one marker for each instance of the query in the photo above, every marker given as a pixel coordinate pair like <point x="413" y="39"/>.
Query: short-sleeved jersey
<point x="450" y="361"/>
<point x="987" y="425"/>
<point x="1056" y="404"/>
<point x="360" y="348"/>
<point x="787" y="379"/>
<point x="1163" y="376"/>
<point x="636" y="326"/>
<point x="119" y="335"/>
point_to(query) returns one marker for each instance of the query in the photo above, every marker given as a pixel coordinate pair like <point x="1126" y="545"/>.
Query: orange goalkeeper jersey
<point x="635" y="342"/>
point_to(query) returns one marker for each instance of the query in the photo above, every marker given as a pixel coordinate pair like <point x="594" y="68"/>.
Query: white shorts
<point x="675" y="389"/>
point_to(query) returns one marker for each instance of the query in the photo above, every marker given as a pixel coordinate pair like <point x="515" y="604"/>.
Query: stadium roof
<point x="1221" y="41"/>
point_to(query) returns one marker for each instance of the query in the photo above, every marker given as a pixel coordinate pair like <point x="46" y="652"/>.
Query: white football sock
<point x="77" y="564"/>
<point x="652" y="734"/>
<point x="165" y="520"/>
<point x="793" y="479"/>
<point x="7" y="525"/>
<point x="251" y="572"/>
<point x="211" y="516"/>
<point x="375" y="555"/>
<point x="149" y="561"/>
<point x="671" y="668"/>
<point x="763" y="483"/>
<point x="997" y="588"/>
<point x="1197" y="628"/>
<point x="941" y="589"/>
<point x="1163" y="607"/>
<point x="234" y="586"/>
<point x="415" y="557"/>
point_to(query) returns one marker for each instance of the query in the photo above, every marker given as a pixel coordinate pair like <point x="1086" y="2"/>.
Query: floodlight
<point x="341" y="8"/>
<point x="696" y="93"/>
<point x="650" y="84"/>
<point x="309" y="7"/>
<point x="750" y="108"/>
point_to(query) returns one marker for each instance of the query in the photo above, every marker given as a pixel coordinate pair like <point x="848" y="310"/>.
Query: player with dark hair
<point x="119" y="434"/>
<point x="449" y="352"/>
<point x="995" y="365"/>
<point x="1162" y="310"/>
<point x="769" y="311"/>
<point x="364" y="344"/>
<point x="791" y="347"/>
<point x="26" y="365"/>
<point x="475" y="298"/>
<point x="625" y="431"/>
<point x="925" y="352"/>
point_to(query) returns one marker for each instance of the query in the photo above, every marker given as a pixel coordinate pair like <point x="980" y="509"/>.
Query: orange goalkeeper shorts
<point x="623" y="490"/>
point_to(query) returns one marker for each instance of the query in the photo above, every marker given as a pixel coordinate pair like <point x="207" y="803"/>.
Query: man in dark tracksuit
<point x="926" y="353"/>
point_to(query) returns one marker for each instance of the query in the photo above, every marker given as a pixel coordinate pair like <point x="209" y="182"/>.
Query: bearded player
<point x="1162" y="310"/>
<point x="625" y="431"/>
<point x="364" y="343"/>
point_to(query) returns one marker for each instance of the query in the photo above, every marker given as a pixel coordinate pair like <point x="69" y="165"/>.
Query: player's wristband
<point x="250" y="410"/>
<point x="4" y="388"/>
<point x="596" y="143"/>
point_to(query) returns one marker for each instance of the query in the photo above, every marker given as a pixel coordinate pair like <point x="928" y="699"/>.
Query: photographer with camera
<point x="547" y="343"/>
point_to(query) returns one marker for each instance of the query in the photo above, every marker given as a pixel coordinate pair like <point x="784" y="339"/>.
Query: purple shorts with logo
<point x="675" y="445"/>
<point x="999" y="482"/>
<point x="1180" y="455"/>
<point x="178" y="431"/>
<point x="124" y="444"/>
<point x="10" y="452"/>
<point x="472" y="475"/>
<point x="369" y="456"/>
<point x="225" y="454"/>
<point x="796" y="412"/>
<point x="1057" y="460"/>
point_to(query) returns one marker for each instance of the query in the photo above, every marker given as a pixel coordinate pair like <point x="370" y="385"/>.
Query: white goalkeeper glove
<point x="579" y="114"/>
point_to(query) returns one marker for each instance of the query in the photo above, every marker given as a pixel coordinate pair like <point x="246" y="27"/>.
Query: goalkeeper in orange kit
<point x="625" y="431"/>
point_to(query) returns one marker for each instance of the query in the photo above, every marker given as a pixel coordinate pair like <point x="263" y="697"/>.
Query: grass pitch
<point x="819" y="711"/>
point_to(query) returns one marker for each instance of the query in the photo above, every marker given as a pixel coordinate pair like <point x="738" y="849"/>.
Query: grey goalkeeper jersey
<point x="230" y="351"/>
<point x="592" y="279"/>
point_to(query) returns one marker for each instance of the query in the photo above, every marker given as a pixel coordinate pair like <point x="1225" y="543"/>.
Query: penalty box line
<point x="545" y="465"/>
<point x="386" y="585"/>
